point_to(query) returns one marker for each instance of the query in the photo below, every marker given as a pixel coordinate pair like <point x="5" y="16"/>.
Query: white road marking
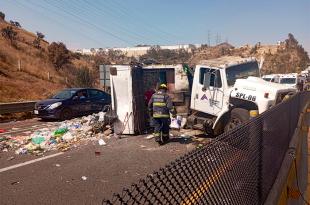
<point x="29" y="162"/>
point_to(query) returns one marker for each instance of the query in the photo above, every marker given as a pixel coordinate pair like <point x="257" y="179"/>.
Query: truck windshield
<point x="65" y="94"/>
<point x="241" y="71"/>
<point x="288" y="80"/>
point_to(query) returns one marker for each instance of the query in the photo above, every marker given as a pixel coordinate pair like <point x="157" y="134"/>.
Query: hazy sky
<point x="114" y="23"/>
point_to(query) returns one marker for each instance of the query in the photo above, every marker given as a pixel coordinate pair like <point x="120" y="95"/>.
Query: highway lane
<point x="14" y="128"/>
<point x="58" y="180"/>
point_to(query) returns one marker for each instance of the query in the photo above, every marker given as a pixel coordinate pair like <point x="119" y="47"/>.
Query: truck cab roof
<point x="225" y="61"/>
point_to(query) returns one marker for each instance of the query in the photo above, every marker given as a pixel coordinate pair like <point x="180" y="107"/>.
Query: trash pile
<point x="62" y="137"/>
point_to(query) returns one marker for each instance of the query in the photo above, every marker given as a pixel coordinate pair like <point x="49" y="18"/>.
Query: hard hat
<point x="163" y="86"/>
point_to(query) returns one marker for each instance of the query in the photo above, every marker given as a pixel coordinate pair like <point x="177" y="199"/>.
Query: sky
<point x="122" y="23"/>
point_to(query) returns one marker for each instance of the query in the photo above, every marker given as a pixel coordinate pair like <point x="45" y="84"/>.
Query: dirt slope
<point x="31" y="81"/>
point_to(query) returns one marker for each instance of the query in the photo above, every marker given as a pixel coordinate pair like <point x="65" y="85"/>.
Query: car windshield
<point x="241" y="71"/>
<point x="65" y="94"/>
<point x="288" y="80"/>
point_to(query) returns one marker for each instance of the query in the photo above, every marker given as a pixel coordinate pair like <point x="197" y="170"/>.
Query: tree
<point x="291" y="42"/>
<point x="37" y="41"/>
<point x="2" y="16"/>
<point x="40" y="35"/>
<point x="93" y="51"/>
<point x="58" y="54"/>
<point x="165" y="56"/>
<point x="84" y="78"/>
<point x="15" y="23"/>
<point x="9" y="34"/>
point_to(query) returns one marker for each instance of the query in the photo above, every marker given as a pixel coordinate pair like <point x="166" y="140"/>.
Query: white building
<point x="137" y="51"/>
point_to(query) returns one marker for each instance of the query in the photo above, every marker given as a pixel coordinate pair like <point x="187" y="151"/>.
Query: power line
<point x="141" y="19"/>
<point x="55" y="20"/>
<point x="81" y="20"/>
<point x="88" y="10"/>
<point x="209" y="38"/>
<point x="121" y="13"/>
<point x="94" y="9"/>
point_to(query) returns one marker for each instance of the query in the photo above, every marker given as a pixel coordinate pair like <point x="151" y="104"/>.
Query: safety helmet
<point x="163" y="86"/>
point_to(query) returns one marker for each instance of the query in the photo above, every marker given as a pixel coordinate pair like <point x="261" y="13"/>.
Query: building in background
<point x="136" y="51"/>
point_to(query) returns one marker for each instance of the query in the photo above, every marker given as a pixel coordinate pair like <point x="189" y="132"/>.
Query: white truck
<point x="227" y="91"/>
<point x="223" y="93"/>
<point x="270" y="77"/>
<point x="290" y="79"/>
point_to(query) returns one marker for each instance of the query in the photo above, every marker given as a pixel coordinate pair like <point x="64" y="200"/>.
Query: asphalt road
<point x="59" y="179"/>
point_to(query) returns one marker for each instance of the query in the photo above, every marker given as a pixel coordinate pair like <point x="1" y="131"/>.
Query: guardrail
<point x="6" y="108"/>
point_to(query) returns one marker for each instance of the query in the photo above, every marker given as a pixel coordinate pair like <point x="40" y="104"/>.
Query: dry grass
<point x="31" y="83"/>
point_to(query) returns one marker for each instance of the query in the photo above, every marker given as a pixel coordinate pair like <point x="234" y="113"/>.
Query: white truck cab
<point x="227" y="90"/>
<point x="290" y="79"/>
<point x="270" y="77"/>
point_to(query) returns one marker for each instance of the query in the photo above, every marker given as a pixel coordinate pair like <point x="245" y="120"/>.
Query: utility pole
<point x="19" y="65"/>
<point x="209" y="38"/>
<point x="218" y="39"/>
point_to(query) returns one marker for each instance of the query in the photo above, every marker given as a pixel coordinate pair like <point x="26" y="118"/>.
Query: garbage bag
<point x="60" y="132"/>
<point x="37" y="140"/>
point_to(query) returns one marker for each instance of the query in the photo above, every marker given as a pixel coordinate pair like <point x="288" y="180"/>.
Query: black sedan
<point x="73" y="102"/>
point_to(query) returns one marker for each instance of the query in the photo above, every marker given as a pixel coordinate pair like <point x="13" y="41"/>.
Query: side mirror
<point x="206" y="81"/>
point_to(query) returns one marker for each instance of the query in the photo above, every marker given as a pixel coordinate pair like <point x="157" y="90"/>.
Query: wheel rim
<point x="234" y="122"/>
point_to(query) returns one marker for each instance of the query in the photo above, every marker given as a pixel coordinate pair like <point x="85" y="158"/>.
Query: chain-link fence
<point x="239" y="167"/>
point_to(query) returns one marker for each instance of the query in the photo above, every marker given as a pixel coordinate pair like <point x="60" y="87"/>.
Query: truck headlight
<point x="54" y="105"/>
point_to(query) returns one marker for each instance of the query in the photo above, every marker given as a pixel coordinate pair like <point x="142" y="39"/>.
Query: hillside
<point x="32" y="68"/>
<point x="286" y="57"/>
<point x="26" y="72"/>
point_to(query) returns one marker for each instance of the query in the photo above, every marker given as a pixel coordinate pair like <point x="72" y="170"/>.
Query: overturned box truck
<point x="216" y="96"/>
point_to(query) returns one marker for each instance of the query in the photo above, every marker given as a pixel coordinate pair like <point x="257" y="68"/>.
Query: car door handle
<point x="87" y="101"/>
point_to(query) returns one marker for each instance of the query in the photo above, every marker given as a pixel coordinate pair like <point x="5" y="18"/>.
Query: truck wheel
<point x="66" y="114"/>
<point x="238" y="116"/>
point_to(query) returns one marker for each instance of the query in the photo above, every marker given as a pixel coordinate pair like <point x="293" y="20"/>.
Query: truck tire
<point x="238" y="116"/>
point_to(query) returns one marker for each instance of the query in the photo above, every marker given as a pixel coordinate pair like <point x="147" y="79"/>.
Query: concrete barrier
<point x="291" y="183"/>
<point x="6" y="108"/>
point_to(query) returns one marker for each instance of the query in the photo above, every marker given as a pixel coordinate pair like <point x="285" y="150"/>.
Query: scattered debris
<point x="14" y="183"/>
<point x="2" y="130"/>
<point x="84" y="178"/>
<point x="10" y="158"/>
<point x="149" y="137"/>
<point x="57" y="165"/>
<point x="101" y="142"/>
<point x="62" y="136"/>
<point x="199" y="146"/>
<point x="107" y="132"/>
<point x="176" y="122"/>
<point x="97" y="153"/>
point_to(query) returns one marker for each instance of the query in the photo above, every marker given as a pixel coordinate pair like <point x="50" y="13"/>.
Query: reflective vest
<point x="160" y="105"/>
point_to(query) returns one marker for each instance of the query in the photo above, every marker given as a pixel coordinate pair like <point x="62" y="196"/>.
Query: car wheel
<point x="66" y="114"/>
<point x="105" y="108"/>
<point x="238" y="116"/>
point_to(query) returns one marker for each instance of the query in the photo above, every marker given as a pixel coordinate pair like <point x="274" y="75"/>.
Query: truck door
<point x="209" y="100"/>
